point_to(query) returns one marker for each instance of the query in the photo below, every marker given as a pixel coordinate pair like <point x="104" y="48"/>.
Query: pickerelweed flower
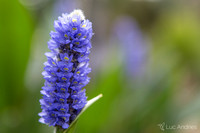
<point x="133" y="45"/>
<point x="66" y="70"/>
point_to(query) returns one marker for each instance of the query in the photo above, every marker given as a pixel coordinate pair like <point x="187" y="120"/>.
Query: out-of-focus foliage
<point x="16" y="27"/>
<point x="167" y="91"/>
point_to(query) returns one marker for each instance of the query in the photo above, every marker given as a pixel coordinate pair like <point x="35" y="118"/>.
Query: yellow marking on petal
<point x="85" y="37"/>
<point x="63" y="89"/>
<point x="54" y="63"/>
<point x="75" y="82"/>
<point x="74" y="20"/>
<point x="75" y="91"/>
<point x="50" y="103"/>
<point x="78" y="72"/>
<point x="53" y="73"/>
<point x="83" y="25"/>
<point x="52" y="114"/>
<point x="63" y="78"/>
<point x="79" y="34"/>
<point x="66" y="35"/>
<point x="80" y="83"/>
<point x="61" y="99"/>
<point x="77" y="43"/>
<point x="76" y="101"/>
<point x="64" y="118"/>
<point x="62" y="109"/>
<point x="66" y="69"/>
<point x="74" y="28"/>
<point x="66" y="58"/>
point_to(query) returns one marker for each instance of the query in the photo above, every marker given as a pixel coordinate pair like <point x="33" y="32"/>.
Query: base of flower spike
<point x="58" y="130"/>
<point x="72" y="125"/>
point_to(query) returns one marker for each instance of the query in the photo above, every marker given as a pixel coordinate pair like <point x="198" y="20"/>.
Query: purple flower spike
<point x="66" y="70"/>
<point x="133" y="45"/>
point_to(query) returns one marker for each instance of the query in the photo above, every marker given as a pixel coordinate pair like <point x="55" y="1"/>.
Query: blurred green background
<point x="145" y="61"/>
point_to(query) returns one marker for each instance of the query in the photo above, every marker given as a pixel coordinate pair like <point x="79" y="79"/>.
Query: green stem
<point x="58" y="130"/>
<point x="71" y="129"/>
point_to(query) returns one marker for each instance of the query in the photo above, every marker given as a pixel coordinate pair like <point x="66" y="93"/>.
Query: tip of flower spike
<point x="77" y="12"/>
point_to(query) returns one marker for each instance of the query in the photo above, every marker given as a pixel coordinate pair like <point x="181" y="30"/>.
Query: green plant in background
<point x="16" y="28"/>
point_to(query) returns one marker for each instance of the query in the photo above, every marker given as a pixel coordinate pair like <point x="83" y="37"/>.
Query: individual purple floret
<point x="66" y="70"/>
